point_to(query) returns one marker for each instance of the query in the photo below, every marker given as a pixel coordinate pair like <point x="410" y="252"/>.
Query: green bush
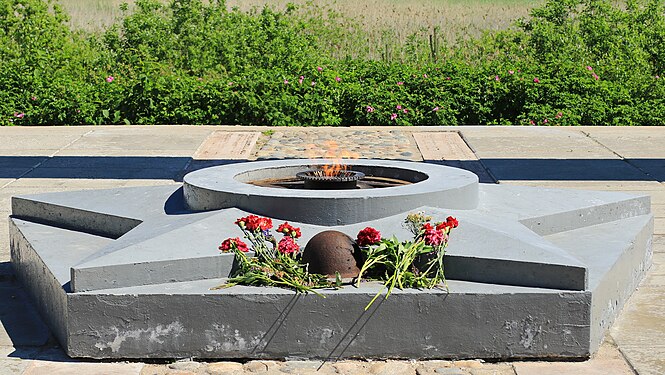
<point x="192" y="62"/>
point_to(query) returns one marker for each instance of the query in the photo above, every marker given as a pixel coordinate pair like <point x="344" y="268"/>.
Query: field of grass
<point x="379" y="19"/>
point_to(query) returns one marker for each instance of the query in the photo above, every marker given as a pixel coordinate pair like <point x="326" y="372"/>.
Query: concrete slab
<point x="556" y="145"/>
<point x="633" y="143"/>
<point x="637" y="186"/>
<point x="141" y="138"/>
<point x="226" y="145"/>
<point x="15" y="139"/>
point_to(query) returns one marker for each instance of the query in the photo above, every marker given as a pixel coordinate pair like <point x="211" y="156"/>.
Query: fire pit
<point x="318" y="179"/>
<point x="129" y="273"/>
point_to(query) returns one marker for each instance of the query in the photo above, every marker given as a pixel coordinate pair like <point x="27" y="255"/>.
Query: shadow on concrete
<point x="492" y="170"/>
<point x="103" y="167"/>
<point x="23" y="326"/>
<point x="475" y="166"/>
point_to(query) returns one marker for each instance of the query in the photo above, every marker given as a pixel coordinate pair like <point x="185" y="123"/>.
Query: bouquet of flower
<point x="413" y="264"/>
<point x="275" y="263"/>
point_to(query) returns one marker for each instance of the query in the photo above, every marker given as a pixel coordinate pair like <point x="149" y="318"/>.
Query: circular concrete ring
<point x="227" y="186"/>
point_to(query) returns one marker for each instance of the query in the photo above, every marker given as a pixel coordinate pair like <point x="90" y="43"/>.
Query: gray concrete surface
<point x="594" y="158"/>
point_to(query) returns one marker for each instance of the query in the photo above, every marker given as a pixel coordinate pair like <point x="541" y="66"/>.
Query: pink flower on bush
<point x="398" y="106"/>
<point x="447" y="78"/>
<point x="320" y="69"/>
<point x="393" y="117"/>
<point x="368" y="236"/>
<point x="400" y="83"/>
<point x="33" y="98"/>
<point x="313" y="83"/>
<point x="301" y="79"/>
<point x="496" y="78"/>
<point x="435" y="109"/>
<point x="589" y="68"/>
<point x="338" y="79"/>
<point x="110" y="79"/>
<point x="424" y="75"/>
<point x="286" y="82"/>
<point x="531" y="122"/>
<point x="536" y="80"/>
<point x="405" y="110"/>
<point x="233" y="243"/>
<point x="595" y="76"/>
<point x="657" y="77"/>
<point x="19" y="115"/>
<point x="511" y="72"/>
<point x="287" y="245"/>
<point x="370" y="109"/>
<point x="545" y="121"/>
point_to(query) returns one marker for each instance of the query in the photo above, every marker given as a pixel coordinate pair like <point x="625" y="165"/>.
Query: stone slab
<point x="633" y="143"/>
<point x="13" y="141"/>
<point x="540" y="145"/>
<point x="68" y="368"/>
<point x="443" y="146"/>
<point x="141" y="138"/>
<point x="608" y="361"/>
<point x="227" y="146"/>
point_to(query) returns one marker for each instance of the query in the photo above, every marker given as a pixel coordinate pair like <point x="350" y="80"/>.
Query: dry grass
<point x="401" y="18"/>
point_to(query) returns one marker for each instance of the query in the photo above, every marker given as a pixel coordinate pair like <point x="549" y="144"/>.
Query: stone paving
<point x="39" y="159"/>
<point x="349" y="143"/>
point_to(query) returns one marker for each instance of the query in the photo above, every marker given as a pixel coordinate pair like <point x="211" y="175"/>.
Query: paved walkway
<point x="39" y="159"/>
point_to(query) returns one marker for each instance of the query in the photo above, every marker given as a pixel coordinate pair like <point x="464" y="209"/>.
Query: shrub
<point x="192" y="62"/>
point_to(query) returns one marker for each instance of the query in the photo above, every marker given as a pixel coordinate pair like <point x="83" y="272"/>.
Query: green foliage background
<point x="573" y="62"/>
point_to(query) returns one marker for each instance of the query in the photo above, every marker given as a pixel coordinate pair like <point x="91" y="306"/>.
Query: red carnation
<point x="434" y="237"/>
<point x="443" y="226"/>
<point x="289" y="230"/>
<point x="427" y="226"/>
<point x="368" y="236"/>
<point x="452" y="222"/>
<point x="254" y="223"/>
<point x="233" y="243"/>
<point x="287" y="245"/>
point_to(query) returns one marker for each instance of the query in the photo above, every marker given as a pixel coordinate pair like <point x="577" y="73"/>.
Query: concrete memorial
<point x="129" y="273"/>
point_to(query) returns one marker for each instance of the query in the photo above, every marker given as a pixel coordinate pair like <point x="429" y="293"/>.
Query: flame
<point x="337" y="157"/>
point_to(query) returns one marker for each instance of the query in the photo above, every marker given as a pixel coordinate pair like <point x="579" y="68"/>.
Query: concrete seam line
<point x="480" y="160"/>
<point x="45" y="159"/>
<point x="627" y="161"/>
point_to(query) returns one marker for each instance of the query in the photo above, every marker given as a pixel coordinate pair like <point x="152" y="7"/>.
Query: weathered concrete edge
<point x="281" y="325"/>
<point x="588" y="216"/>
<point x="130" y="274"/>
<point x="105" y="225"/>
<point x="42" y="286"/>
<point x="618" y="284"/>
